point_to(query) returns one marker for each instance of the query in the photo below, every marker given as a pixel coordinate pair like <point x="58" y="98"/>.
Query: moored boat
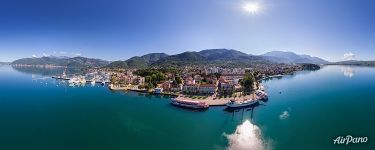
<point x="261" y="94"/>
<point x="242" y="104"/>
<point x="189" y="104"/>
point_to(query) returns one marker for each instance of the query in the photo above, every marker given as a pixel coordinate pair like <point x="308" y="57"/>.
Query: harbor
<point x="188" y="94"/>
<point x="92" y="77"/>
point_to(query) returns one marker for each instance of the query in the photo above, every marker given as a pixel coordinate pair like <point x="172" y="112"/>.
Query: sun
<point x="251" y="8"/>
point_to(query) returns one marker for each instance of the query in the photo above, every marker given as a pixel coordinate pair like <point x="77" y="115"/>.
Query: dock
<point x="212" y="101"/>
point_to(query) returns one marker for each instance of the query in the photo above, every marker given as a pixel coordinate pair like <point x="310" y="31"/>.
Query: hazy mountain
<point x="223" y="54"/>
<point x="290" y="57"/>
<point x="186" y="58"/>
<point x="209" y="57"/>
<point x="213" y="57"/>
<point x="355" y="63"/>
<point x="62" y="61"/>
<point x="4" y="63"/>
<point x="138" y="61"/>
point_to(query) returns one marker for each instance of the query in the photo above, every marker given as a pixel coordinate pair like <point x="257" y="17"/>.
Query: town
<point x="213" y="86"/>
<point x="191" y="86"/>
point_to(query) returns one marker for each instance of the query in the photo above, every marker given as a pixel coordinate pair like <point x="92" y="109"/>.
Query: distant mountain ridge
<point x="4" y="63"/>
<point x="208" y="57"/>
<point x="78" y="62"/>
<point x="290" y="57"/>
<point x="138" y="61"/>
<point x="354" y="63"/>
<point x="214" y="57"/>
<point x="217" y="57"/>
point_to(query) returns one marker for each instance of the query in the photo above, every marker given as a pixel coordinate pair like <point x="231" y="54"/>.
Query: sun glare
<point x="251" y="8"/>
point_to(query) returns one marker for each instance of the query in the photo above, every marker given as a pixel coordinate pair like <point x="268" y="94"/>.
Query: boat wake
<point x="246" y="137"/>
<point x="284" y="115"/>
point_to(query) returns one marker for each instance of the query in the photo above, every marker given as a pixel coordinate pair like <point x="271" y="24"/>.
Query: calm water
<point x="313" y="108"/>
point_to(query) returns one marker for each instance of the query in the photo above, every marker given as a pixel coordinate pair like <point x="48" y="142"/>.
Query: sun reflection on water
<point x="246" y="137"/>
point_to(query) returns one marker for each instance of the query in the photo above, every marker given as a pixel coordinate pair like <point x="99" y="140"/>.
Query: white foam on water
<point x="246" y="137"/>
<point x="284" y="115"/>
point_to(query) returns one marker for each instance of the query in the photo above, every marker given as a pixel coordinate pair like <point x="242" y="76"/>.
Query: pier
<point x="213" y="101"/>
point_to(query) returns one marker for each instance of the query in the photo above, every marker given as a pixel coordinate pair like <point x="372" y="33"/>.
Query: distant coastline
<point x="354" y="63"/>
<point x="4" y="63"/>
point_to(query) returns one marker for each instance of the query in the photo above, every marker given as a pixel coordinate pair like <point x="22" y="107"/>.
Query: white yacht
<point x="241" y="104"/>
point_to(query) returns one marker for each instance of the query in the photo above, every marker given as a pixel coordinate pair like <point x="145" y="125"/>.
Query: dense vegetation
<point x="212" y="57"/>
<point x="248" y="82"/>
<point x="310" y="67"/>
<point x="142" y="62"/>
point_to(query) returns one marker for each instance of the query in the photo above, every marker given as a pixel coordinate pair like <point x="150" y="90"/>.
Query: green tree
<point x="148" y="80"/>
<point x="178" y="79"/>
<point x="114" y="79"/>
<point x="248" y="82"/>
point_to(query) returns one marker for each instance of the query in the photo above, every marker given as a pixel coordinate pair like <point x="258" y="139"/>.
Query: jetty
<point x="214" y="101"/>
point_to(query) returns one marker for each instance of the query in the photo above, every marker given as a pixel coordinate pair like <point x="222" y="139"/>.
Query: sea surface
<point x="307" y="110"/>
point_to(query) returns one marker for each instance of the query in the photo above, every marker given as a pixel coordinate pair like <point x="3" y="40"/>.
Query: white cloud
<point x="34" y="56"/>
<point x="348" y="56"/>
<point x="64" y="53"/>
<point x="45" y="55"/>
<point x="76" y="54"/>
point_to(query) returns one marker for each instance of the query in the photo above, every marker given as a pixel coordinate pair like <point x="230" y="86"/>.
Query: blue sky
<point x="120" y="29"/>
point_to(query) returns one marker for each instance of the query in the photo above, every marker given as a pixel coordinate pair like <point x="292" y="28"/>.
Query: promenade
<point x="214" y="101"/>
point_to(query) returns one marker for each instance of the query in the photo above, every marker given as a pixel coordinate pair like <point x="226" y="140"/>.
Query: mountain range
<point x="217" y="57"/>
<point x="290" y="57"/>
<point x="214" y="57"/>
<point x="138" y="61"/>
<point x="75" y="62"/>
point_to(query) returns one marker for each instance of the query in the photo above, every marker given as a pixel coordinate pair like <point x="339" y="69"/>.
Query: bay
<point x="305" y="111"/>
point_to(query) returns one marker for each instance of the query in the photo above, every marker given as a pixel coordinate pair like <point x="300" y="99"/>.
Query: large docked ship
<point x="190" y="104"/>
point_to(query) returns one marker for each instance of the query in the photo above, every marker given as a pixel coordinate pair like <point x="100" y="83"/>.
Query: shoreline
<point x="211" y="100"/>
<point x="139" y="91"/>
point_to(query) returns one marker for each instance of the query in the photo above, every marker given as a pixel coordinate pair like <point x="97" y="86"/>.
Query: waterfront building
<point x="139" y="80"/>
<point x="225" y="86"/>
<point x="166" y="85"/>
<point x="176" y="87"/>
<point x="234" y="78"/>
<point x="207" y="88"/>
<point x="190" y="88"/>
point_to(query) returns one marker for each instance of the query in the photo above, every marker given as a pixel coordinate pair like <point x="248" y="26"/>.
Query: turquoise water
<point x="305" y="111"/>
